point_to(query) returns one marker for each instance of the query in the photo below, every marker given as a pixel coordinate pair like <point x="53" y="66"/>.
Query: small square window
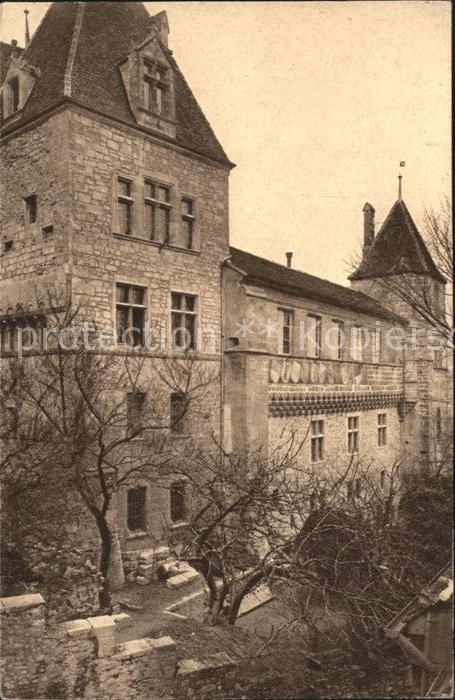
<point x="7" y="246"/>
<point x="31" y="208"/>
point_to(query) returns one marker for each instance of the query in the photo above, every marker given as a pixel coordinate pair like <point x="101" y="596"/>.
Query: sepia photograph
<point x="226" y="350"/>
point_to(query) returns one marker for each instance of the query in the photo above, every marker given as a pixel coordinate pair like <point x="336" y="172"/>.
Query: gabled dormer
<point x="149" y="80"/>
<point x="19" y="81"/>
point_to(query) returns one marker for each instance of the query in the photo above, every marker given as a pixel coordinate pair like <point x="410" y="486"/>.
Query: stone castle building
<point x="115" y="191"/>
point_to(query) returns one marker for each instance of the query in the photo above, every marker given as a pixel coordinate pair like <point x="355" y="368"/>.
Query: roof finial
<point x="402" y="164"/>
<point x="27" y="30"/>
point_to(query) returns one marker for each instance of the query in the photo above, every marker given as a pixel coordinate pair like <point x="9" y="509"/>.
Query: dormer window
<point x="13" y="89"/>
<point x="156" y="88"/>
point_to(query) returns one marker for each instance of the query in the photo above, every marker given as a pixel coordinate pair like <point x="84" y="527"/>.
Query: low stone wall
<point x="82" y="659"/>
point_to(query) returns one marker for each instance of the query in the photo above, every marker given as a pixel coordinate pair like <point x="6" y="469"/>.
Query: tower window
<point x="177" y="501"/>
<point x="188" y="220"/>
<point x="157" y="201"/>
<point x="177" y="411"/>
<point x="134" y="410"/>
<point x="14" y="94"/>
<point x="130" y="314"/>
<point x="125" y="204"/>
<point x="156" y="88"/>
<point x="183" y="321"/>
<point x="31" y="208"/>
<point x="136" y="509"/>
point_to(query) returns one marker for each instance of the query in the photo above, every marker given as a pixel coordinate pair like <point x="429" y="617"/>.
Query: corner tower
<point x="397" y="269"/>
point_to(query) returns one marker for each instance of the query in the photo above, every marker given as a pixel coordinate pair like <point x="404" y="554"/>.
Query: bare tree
<point x="90" y="422"/>
<point x="334" y="544"/>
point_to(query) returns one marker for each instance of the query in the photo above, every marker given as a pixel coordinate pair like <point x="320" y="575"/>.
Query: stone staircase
<point x="147" y="565"/>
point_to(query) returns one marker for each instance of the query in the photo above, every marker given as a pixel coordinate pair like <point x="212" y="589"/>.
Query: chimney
<point x="14" y="49"/>
<point x="288" y="259"/>
<point x="162" y="26"/>
<point x="368" y="225"/>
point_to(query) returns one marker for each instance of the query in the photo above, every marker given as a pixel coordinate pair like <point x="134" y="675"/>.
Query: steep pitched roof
<point x="78" y="47"/>
<point x="398" y="248"/>
<point x="270" y="274"/>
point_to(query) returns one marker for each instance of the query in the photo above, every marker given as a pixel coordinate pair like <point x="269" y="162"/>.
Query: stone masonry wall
<point x="100" y="153"/>
<point x="82" y="659"/>
<point x="35" y="162"/>
<point x="336" y="440"/>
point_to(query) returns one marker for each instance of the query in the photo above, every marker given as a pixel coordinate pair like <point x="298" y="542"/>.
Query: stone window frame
<point x="13" y="96"/>
<point x="181" y="501"/>
<point x="196" y="314"/>
<point x="353" y="430"/>
<point x="176" y="418"/>
<point x="193" y="217"/>
<point x="357" y="332"/>
<point x="382" y="429"/>
<point x="164" y="85"/>
<point x="9" y="328"/>
<point x="139" y="233"/>
<point x="31" y="209"/>
<point x="290" y="326"/>
<point x="128" y="200"/>
<point x="317" y="343"/>
<point x="145" y="306"/>
<point x="341" y="339"/>
<point x="144" y="491"/>
<point x="156" y="203"/>
<point x="354" y="488"/>
<point x="317" y="440"/>
<point x="135" y="401"/>
<point x="376" y="334"/>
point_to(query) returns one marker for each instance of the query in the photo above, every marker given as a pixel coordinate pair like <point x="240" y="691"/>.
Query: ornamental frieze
<point x="306" y="371"/>
<point x="282" y="405"/>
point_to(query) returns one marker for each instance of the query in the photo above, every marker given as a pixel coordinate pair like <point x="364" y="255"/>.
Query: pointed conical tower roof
<point x="397" y="249"/>
<point x="78" y="48"/>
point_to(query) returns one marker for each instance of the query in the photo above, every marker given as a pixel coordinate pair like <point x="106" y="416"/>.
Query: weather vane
<point x="402" y="164"/>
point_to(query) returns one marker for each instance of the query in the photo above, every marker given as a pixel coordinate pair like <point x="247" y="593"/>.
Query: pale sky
<point x="317" y="103"/>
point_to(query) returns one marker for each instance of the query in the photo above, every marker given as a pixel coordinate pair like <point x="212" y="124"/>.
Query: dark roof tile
<point x="5" y="53"/>
<point x="271" y="274"/>
<point x="398" y="248"/>
<point x="93" y="38"/>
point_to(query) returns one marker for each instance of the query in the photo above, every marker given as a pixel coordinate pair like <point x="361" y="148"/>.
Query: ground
<point x="326" y="674"/>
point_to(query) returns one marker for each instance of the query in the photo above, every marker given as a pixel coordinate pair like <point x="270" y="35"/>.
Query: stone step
<point x="261" y="595"/>
<point x="184" y="579"/>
